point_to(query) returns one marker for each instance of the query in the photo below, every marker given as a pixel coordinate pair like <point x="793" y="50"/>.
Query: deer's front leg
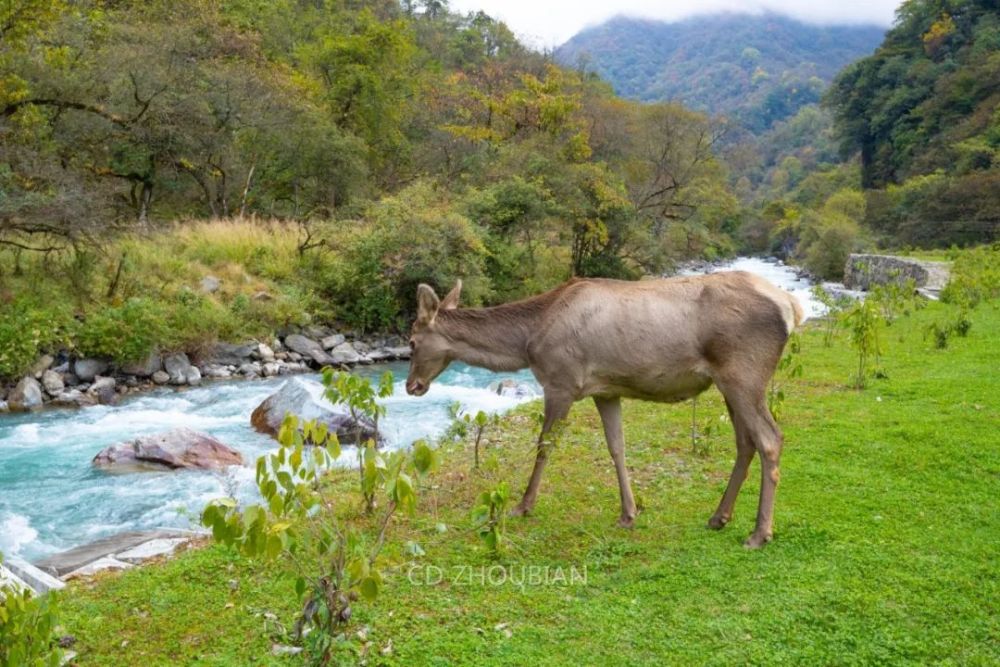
<point x="556" y="409"/>
<point x="611" y="417"/>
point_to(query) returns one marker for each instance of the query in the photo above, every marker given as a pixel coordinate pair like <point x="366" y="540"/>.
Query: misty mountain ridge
<point x="755" y="68"/>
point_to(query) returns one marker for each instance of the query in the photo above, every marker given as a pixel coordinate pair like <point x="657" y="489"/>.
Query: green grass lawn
<point x="887" y="532"/>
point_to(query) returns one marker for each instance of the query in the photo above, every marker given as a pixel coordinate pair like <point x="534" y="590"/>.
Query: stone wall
<point x="863" y="271"/>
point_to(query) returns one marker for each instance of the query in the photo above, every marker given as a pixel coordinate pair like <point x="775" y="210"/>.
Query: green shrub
<point x="975" y="277"/>
<point x="27" y="628"/>
<point x="27" y="330"/>
<point x="124" y="333"/>
<point x="414" y="237"/>
<point x="836" y="236"/>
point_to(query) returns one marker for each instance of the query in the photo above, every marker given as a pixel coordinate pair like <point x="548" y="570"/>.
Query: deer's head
<point x="430" y="349"/>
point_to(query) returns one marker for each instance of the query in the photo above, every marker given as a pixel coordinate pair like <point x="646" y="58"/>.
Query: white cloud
<point x="549" y="23"/>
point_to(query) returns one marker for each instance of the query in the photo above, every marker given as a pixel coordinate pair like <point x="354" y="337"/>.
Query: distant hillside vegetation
<point x="757" y="69"/>
<point x="924" y="113"/>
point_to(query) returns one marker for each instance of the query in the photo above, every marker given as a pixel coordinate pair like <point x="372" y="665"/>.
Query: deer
<point x="663" y="340"/>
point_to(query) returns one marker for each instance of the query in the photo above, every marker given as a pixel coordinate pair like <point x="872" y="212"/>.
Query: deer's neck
<point x="494" y="338"/>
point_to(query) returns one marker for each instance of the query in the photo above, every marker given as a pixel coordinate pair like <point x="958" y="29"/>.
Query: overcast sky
<point x="549" y="23"/>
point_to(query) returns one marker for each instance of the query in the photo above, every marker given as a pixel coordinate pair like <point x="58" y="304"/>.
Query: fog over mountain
<point x="757" y="68"/>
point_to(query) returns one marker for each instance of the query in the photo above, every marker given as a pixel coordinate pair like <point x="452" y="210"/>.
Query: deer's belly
<point x="659" y="387"/>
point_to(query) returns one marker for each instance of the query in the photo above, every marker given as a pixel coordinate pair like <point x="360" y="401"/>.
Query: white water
<point x="780" y="274"/>
<point x="51" y="499"/>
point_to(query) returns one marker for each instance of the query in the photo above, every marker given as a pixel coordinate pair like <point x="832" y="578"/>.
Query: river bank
<point x="884" y="548"/>
<point x="51" y="498"/>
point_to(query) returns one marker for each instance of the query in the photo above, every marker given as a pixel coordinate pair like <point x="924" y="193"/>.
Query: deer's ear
<point x="427" y="304"/>
<point x="450" y="302"/>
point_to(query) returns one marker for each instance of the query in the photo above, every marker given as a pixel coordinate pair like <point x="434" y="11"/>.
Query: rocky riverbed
<point x="64" y="381"/>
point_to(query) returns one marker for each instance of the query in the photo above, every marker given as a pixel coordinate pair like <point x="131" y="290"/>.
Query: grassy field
<point x="885" y="551"/>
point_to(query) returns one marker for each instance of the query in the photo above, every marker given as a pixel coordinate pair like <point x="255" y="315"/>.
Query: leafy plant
<point x="834" y="304"/>
<point x="489" y="517"/>
<point x="863" y="320"/>
<point x="361" y="399"/>
<point x="463" y="423"/>
<point x="788" y="366"/>
<point x="27" y="627"/>
<point x="335" y="563"/>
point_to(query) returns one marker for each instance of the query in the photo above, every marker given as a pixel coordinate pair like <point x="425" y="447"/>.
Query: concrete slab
<point x="99" y="565"/>
<point x="38" y="580"/>
<point x="163" y="546"/>
<point x="10" y="580"/>
<point x="59" y="565"/>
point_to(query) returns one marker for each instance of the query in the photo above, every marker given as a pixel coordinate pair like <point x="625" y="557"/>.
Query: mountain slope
<point x="758" y="69"/>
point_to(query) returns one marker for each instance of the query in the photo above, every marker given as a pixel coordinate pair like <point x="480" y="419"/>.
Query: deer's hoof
<point x="625" y="521"/>
<point x="718" y="522"/>
<point x="757" y="540"/>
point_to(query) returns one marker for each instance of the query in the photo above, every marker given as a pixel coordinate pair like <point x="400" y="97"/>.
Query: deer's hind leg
<point x="744" y="455"/>
<point x="748" y="403"/>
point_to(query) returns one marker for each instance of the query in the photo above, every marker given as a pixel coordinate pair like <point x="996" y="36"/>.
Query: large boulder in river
<point x="27" y="395"/>
<point x="178" y="449"/>
<point x="306" y="401"/>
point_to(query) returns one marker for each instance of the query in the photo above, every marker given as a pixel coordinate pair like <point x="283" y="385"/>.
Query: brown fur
<point x="659" y="340"/>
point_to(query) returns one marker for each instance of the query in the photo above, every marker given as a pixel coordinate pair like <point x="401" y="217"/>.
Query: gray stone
<point x="210" y="284"/>
<point x="264" y="352"/>
<point x="250" y="369"/>
<point x="216" y="372"/>
<point x="74" y="398"/>
<point x="316" y="331"/>
<point x="26" y="395"/>
<point x="43" y="364"/>
<point x="305" y="400"/>
<point x="271" y="369"/>
<point x="345" y="354"/>
<point x="302" y="345"/>
<point x="103" y="389"/>
<point x="70" y="379"/>
<point x="228" y="354"/>
<point x="88" y="369"/>
<point x="333" y="341"/>
<point x="177" y="449"/>
<point x="512" y="389"/>
<point x="294" y="356"/>
<point x="321" y="358"/>
<point x="4" y="407"/>
<point x="361" y="347"/>
<point x="161" y="377"/>
<point x="145" y="367"/>
<point x="180" y="370"/>
<point x="399" y="352"/>
<point x="379" y="354"/>
<point x="53" y="382"/>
